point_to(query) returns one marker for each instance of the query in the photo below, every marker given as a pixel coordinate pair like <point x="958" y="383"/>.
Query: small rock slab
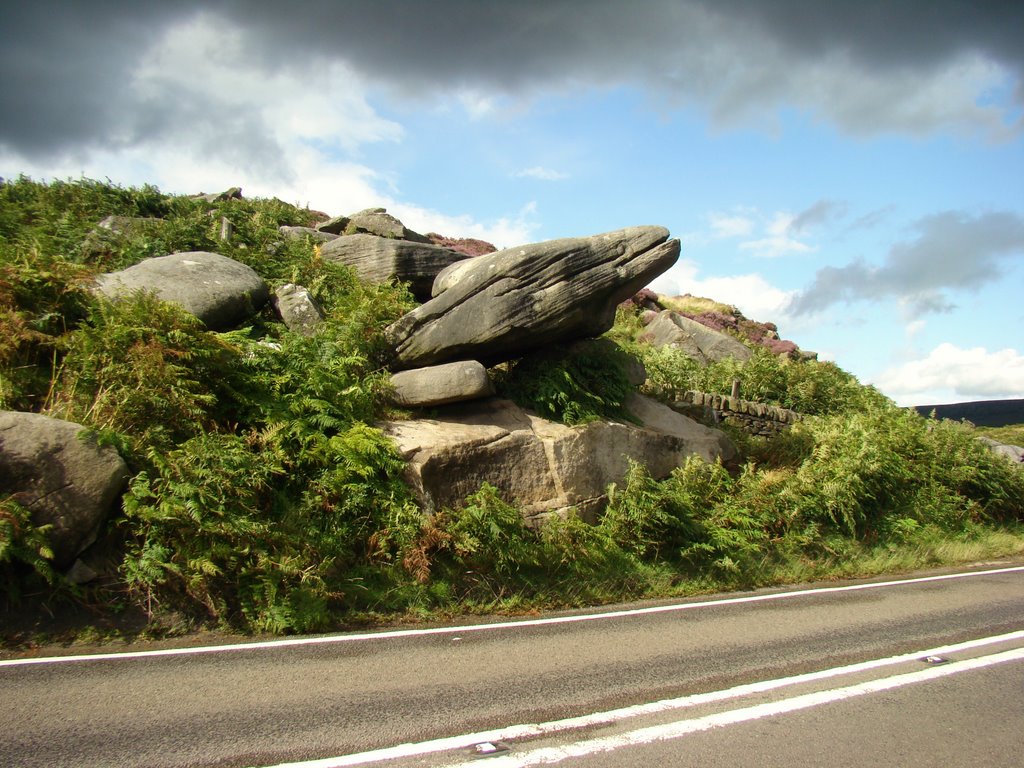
<point x="297" y="309"/>
<point x="379" y="259"/>
<point x="699" y="342"/>
<point x="299" y="233"/>
<point x="65" y="481"/>
<point x="219" y="291"/>
<point x="441" y="385"/>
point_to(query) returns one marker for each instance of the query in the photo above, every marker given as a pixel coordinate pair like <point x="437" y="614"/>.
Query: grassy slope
<point x="263" y="502"/>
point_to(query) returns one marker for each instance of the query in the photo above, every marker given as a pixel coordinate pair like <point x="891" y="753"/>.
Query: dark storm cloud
<point x="67" y="67"/>
<point x="952" y="250"/>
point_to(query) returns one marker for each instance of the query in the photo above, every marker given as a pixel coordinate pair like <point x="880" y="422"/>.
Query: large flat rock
<point x="543" y="466"/>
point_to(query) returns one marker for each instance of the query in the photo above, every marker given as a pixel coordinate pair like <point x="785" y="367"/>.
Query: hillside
<point x="268" y="396"/>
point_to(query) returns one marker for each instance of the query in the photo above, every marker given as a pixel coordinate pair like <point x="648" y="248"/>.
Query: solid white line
<point x="527" y="730"/>
<point x="401" y="633"/>
<point x="549" y="755"/>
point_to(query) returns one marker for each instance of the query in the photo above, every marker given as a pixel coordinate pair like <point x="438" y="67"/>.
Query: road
<point x="825" y="673"/>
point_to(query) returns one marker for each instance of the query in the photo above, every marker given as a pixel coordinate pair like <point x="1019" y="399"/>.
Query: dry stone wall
<point x="753" y="418"/>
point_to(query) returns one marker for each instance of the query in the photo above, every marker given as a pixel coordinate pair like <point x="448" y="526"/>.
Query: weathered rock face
<point x="499" y="306"/>
<point x="333" y="226"/>
<point x="1012" y="453"/>
<point x="467" y="245"/>
<point x="65" y="481"/>
<point x="297" y="309"/>
<point x="378" y="259"/>
<point x="298" y="233"/>
<point x="377" y="221"/>
<point x="539" y="464"/>
<point x="441" y="385"/>
<point x="219" y="291"/>
<point x="698" y="341"/>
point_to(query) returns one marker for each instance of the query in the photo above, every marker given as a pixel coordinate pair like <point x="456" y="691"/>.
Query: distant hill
<point x="985" y="413"/>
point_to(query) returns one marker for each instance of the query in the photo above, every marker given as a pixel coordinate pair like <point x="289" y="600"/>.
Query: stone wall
<point x="753" y="418"/>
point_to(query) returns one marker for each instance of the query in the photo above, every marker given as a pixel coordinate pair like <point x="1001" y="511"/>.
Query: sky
<point x="851" y="171"/>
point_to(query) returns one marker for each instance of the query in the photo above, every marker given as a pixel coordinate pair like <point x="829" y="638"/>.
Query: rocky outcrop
<point x="441" y="385"/>
<point x="63" y="479"/>
<point x="232" y="193"/>
<point x="372" y="221"/>
<point x="219" y="291"/>
<point x="297" y="309"/>
<point x="299" y="233"/>
<point x="379" y="259"/>
<point x="1012" y="453"/>
<point x="697" y="341"/>
<point x="467" y="245"/>
<point x="504" y="304"/>
<point x="377" y="221"/>
<point x="538" y="464"/>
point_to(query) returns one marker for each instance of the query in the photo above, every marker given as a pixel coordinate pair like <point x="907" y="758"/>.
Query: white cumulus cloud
<point x="726" y="225"/>
<point x="754" y="296"/>
<point x="949" y="373"/>
<point x="780" y="239"/>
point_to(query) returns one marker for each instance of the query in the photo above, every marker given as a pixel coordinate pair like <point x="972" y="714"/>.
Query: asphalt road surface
<point x="831" y="674"/>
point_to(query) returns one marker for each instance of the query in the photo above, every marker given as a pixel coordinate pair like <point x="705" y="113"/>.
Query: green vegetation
<point x="1009" y="435"/>
<point x="262" y="499"/>
<point x="574" y="385"/>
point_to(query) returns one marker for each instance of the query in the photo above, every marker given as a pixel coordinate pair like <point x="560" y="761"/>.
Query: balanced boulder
<point x="219" y="291"/>
<point x="501" y="305"/>
<point x="379" y="259"/>
<point x="64" y="479"/>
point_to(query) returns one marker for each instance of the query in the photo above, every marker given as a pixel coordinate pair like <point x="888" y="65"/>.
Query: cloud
<point x="504" y="232"/>
<point x="820" y="212"/>
<point x="952" y="372"/>
<point x="754" y="296"/>
<point x="541" y="173"/>
<point x="780" y="239"/>
<point x="872" y="219"/>
<point x="952" y="251"/>
<point x="873" y="67"/>
<point x="724" y="225"/>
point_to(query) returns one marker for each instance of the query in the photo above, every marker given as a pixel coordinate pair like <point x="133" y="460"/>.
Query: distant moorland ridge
<point x="984" y="413"/>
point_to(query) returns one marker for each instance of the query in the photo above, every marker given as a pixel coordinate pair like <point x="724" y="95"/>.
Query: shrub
<point x="574" y="385"/>
<point x="22" y="544"/>
<point x="146" y="369"/>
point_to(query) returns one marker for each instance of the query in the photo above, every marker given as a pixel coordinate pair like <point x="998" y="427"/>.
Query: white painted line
<point x="401" y="633"/>
<point x="680" y="728"/>
<point x="530" y="730"/>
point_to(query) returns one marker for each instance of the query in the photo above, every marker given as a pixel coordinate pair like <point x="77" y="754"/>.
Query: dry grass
<point x="695" y="305"/>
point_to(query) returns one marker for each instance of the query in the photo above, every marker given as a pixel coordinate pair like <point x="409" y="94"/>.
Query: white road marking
<point x="531" y="730"/>
<point x="680" y="728"/>
<point x="401" y="633"/>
